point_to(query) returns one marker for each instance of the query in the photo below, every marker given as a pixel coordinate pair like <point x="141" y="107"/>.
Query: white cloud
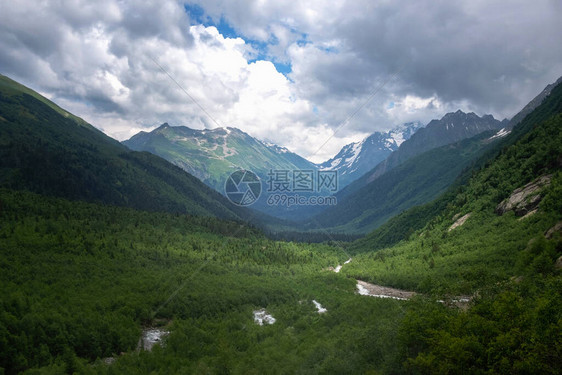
<point x="456" y="50"/>
<point x="105" y="67"/>
<point x="96" y="60"/>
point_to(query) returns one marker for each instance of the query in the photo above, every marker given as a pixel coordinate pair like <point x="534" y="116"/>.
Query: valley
<point x="103" y="247"/>
<point x="276" y="188"/>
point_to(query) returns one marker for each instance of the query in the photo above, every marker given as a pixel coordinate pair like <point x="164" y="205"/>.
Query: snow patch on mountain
<point x="357" y="158"/>
<point x="278" y="149"/>
<point x="353" y="154"/>
<point x="501" y="133"/>
<point x="333" y="165"/>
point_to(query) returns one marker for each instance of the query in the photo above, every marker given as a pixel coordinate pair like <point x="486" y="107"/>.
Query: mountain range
<point x="416" y="181"/>
<point x="451" y="128"/>
<point x="85" y="285"/>
<point x="418" y="163"/>
<point x="212" y="155"/>
<point x="357" y="158"/>
<point x="418" y="172"/>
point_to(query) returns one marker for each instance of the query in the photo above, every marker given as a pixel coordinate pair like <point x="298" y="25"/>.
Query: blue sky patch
<point x="196" y="13"/>
<point x="197" y="16"/>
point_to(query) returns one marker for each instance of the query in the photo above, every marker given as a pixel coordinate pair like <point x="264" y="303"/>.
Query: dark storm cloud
<point x="493" y="55"/>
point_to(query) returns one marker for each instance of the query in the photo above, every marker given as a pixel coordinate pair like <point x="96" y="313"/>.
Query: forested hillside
<point x="46" y="150"/>
<point x="403" y="225"/>
<point x="498" y="241"/>
<point x="80" y="281"/>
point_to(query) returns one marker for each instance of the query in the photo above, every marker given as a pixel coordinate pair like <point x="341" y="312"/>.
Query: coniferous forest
<point x="85" y="273"/>
<point x="115" y="261"/>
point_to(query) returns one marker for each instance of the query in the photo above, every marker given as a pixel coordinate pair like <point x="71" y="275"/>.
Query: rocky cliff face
<point x="525" y="199"/>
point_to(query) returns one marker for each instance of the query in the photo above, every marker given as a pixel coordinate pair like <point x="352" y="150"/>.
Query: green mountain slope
<point x="11" y="87"/>
<point x="489" y="241"/>
<point x="46" y="150"/>
<point x="417" y="181"/>
<point x="212" y="155"/>
<point x="421" y="169"/>
<point x="495" y="241"/>
<point x="403" y="225"/>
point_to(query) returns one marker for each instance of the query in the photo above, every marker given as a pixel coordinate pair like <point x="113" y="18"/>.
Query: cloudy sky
<point x="289" y="72"/>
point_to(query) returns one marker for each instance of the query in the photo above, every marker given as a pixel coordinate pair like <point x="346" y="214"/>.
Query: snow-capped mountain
<point x="357" y="158"/>
<point x="451" y="128"/>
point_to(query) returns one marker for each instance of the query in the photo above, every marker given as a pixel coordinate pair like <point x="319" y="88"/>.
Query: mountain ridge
<point x="357" y="158"/>
<point x="401" y="226"/>
<point x="435" y="134"/>
<point x="46" y="150"/>
<point x="416" y="181"/>
<point x="212" y="154"/>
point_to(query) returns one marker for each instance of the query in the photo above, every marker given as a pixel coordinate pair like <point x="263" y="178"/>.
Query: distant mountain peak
<point x="223" y="130"/>
<point x="452" y="127"/>
<point x="357" y="158"/>
<point x="404" y="131"/>
<point x="461" y="114"/>
<point x="213" y="154"/>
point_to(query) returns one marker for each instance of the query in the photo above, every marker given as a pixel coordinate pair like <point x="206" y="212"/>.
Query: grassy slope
<point x="179" y="145"/>
<point x="15" y="88"/>
<point x="514" y="323"/>
<point x="486" y="247"/>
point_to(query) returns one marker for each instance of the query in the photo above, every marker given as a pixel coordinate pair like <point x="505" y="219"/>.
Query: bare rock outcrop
<point x="459" y="221"/>
<point x="525" y="199"/>
<point x="555" y="229"/>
